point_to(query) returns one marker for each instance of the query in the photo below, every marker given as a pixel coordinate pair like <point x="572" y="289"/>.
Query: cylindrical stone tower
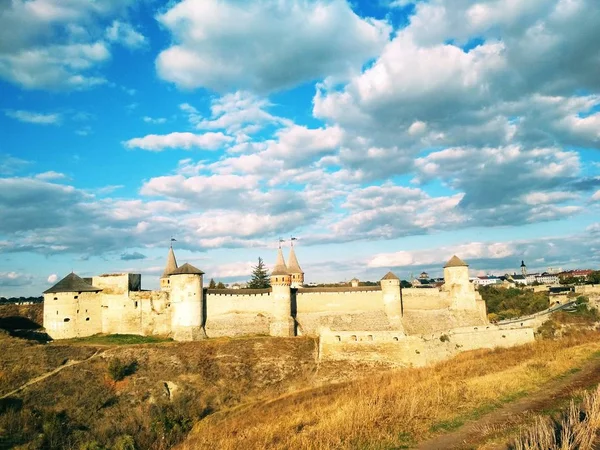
<point x="187" y="303"/>
<point x="392" y="300"/>
<point x="283" y="323"/>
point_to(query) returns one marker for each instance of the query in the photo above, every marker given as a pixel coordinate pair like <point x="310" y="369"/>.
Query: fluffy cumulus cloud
<point x="475" y="115"/>
<point x="211" y="45"/>
<point x="12" y="279"/>
<point x="499" y="257"/>
<point x="125" y="34"/>
<point x="56" y="44"/>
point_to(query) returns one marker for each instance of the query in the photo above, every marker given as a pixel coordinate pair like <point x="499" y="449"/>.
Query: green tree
<point x="212" y="284"/>
<point x="220" y="285"/>
<point x="260" y="276"/>
<point x="594" y="277"/>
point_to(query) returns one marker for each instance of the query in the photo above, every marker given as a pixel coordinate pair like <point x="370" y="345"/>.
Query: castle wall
<point x="155" y="313"/>
<point x="425" y="299"/>
<point x="347" y="309"/>
<point x="238" y="314"/>
<point x="72" y="314"/>
<point x="431" y="321"/>
<point x="391" y="348"/>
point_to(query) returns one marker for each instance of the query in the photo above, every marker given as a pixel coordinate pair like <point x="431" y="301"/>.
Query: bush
<point x="444" y="338"/>
<point x="513" y="302"/>
<point x="118" y="369"/>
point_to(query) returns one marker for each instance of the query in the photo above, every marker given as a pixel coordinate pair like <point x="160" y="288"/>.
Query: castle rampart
<point x="385" y="321"/>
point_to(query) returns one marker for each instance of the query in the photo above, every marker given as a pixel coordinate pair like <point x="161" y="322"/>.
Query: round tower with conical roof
<point x="456" y="282"/>
<point x="296" y="273"/>
<point x="392" y="300"/>
<point x="281" y="280"/>
<point x="186" y="297"/>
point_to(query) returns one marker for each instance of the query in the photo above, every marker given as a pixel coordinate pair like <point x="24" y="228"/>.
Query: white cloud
<point x="158" y="143"/>
<point x="596" y="196"/>
<point x="223" y="45"/>
<point x="53" y="278"/>
<point x="125" y="34"/>
<point x="155" y="121"/>
<point x="8" y="279"/>
<point x="34" y="117"/>
<point x="50" y="175"/>
<point x="55" y="44"/>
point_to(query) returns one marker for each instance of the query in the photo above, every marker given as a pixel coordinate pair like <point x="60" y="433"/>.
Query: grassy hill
<point x="400" y="408"/>
<point x="171" y="386"/>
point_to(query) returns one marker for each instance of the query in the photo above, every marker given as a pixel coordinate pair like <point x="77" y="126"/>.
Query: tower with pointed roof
<point x="281" y="281"/>
<point x="456" y="282"/>
<point x="187" y="303"/>
<point x="72" y="308"/>
<point x="296" y="273"/>
<point x="523" y="268"/>
<point x="165" y="283"/>
<point x="392" y="299"/>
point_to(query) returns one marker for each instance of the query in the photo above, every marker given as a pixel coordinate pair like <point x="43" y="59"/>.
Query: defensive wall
<point x="413" y="326"/>
<point x="392" y="348"/>
<point x="119" y="306"/>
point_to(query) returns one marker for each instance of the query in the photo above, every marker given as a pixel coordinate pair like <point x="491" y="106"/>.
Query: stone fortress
<point x="387" y="322"/>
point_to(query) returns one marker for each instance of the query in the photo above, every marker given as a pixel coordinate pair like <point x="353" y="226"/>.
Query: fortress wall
<point x="113" y="284"/>
<point x="72" y="314"/>
<point x="425" y="299"/>
<point x="345" y="310"/>
<point x="390" y="349"/>
<point x="423" y="322"/>
<point x="218" y="304"/>
<point x="238" y="314"/>
<point x="588" y="289"/>
<point x="339" y="301"/>
<point x="155" y="312"/>
<point x="121" y="314"/>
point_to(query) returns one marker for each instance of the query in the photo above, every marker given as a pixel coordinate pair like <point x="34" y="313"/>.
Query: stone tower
<point x="281" y="280"/>
<point x="165" y="283"/>
<point x="392" y="300"/>
<point x="187" y="303"/>
<point x="456" y="282"/>
<point x="296" y="273"/>
<point x="523" y="269"/>
<point x="72" y="308"/>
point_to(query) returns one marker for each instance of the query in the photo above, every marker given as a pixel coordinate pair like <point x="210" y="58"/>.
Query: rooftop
<point x="71" y="283"/>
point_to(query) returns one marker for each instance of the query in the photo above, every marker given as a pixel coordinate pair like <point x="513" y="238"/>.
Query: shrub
<point x="444" y="338"/>
<point x="118" y="369"/>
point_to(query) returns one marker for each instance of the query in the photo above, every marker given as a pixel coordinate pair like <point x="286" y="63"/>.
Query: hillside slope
<point x="172" y="386"/>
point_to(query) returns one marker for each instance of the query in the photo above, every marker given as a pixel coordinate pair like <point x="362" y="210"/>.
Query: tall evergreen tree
<point x="212" y="284"/>
<point x="220" y="285"/>
<point x="260" y="276"/>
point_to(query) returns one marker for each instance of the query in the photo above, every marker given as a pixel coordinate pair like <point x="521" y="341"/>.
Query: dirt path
<point x="53" y="372"/>
<point x="479" y="431"/>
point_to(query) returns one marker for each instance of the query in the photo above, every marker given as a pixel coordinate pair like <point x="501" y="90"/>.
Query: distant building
<point x="580" y="274"/>
<point x="486" y="280"/>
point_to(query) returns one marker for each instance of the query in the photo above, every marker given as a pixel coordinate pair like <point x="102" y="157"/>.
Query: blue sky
<point x="383" y="134"/>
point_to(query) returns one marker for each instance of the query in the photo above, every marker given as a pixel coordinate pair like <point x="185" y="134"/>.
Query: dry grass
<point x="397" y="408"/>
<point x="576" y="429"/>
